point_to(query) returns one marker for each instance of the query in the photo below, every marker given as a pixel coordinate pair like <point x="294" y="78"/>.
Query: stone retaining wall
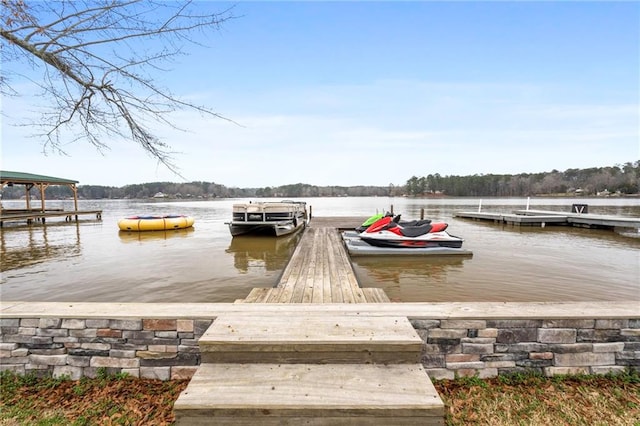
<point x="489" y="348"/>
<point x="77" y="340"/>
<point x="148" y="348"/>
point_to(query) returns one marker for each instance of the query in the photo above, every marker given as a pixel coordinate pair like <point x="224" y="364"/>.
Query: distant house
<point x="160" y="195"/>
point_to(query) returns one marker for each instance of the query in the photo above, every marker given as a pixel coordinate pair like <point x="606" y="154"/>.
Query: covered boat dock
<point x="41" y="183"/>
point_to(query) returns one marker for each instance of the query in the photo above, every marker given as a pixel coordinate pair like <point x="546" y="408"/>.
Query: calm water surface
<point x="93" y="261"/>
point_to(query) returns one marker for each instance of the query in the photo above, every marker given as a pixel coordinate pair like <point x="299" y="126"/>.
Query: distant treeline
<point x="617" y="180"/>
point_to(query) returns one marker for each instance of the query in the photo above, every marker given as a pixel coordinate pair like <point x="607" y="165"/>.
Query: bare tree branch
<point x="95" y="90"/>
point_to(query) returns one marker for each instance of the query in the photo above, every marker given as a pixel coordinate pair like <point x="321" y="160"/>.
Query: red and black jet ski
<point x="390" y="232"/>
<point x="396" y="219"/>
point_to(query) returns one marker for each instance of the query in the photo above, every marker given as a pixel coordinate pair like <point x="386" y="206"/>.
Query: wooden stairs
<point x="311" y="369"/>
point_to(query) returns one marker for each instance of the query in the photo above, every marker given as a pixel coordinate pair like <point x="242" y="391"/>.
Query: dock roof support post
<point x="75" y="197"/>
<point x="42" y="187"/>
<point x="27" y="193"/>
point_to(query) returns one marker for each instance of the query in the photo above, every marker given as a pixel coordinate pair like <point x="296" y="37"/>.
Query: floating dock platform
<point x="543" y="218"/>
<point x="356" y="247"/>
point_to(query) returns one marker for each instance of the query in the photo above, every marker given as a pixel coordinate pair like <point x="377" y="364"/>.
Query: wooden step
<point x="283" y="295"/>
<point x="309" y="394"/>
<point x="256" y="295"/>
<point x="308" y="338"/>
<point x="375" y="295"/>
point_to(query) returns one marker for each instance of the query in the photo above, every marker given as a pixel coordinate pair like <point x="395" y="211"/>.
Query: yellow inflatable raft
<point x="155" y="223"/>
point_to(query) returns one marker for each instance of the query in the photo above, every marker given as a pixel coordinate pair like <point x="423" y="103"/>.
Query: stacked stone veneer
<point x="168" y="348"/>
<point x="489" y="348"/>
<point x="148" y="348"/>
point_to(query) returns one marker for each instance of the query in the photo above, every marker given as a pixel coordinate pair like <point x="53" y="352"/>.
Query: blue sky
<point x="372" y="93"/>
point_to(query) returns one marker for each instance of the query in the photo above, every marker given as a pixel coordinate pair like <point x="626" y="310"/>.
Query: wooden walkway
<point x="319" y="271"/>
<point x="589" y="220"/>
<point x="316" y="369"/>
<point x="546" y="217"/>
<point x="514" y="219"/>
<point x="40" y="216"/>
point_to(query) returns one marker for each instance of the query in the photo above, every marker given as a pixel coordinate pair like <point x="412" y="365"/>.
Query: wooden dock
<point x="41" y="216"/>
<point x="315" y="368"/>
<point x="588" y="220"/>
<point x="543" y="218"/>
<point x="310" y="369"/>
<point x="319" y="270"/>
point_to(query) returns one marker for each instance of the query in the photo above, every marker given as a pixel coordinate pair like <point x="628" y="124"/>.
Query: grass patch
<point x="112" y="400"/>
<point x="536" y="400"/>
<point x="519" y="399"/>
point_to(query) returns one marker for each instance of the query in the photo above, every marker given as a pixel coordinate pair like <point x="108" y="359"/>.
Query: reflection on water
<point x="24" y="247"/>
<point x="269" y="253"/>
<point x="393" y="268"/>
<point x="95" y="262"/>
<point x="131" y="237"/>
<point x="394" y="273"/>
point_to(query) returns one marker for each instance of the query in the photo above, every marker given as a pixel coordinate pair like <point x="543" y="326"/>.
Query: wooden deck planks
<point x="256" y="295"/>
<point x="290" y="275"/>
<point x="547" y="217"/>
<point x="309" y="271"/>
<point x="319" y="271"/>
<point x="334" y="276"/>
<point x="41" y="216"/>
<point x="326" y="278"/>
<point x="270" y="394"/>
<point x="351" y="286"/>
<point x="306" y="279"/>
<point x="375" y="295"/>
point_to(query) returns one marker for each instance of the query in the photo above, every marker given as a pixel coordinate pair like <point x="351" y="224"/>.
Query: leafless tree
<point x="96" y="58"/>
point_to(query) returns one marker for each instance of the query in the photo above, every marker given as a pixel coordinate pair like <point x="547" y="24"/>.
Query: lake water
<point x="91" y="261"/>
